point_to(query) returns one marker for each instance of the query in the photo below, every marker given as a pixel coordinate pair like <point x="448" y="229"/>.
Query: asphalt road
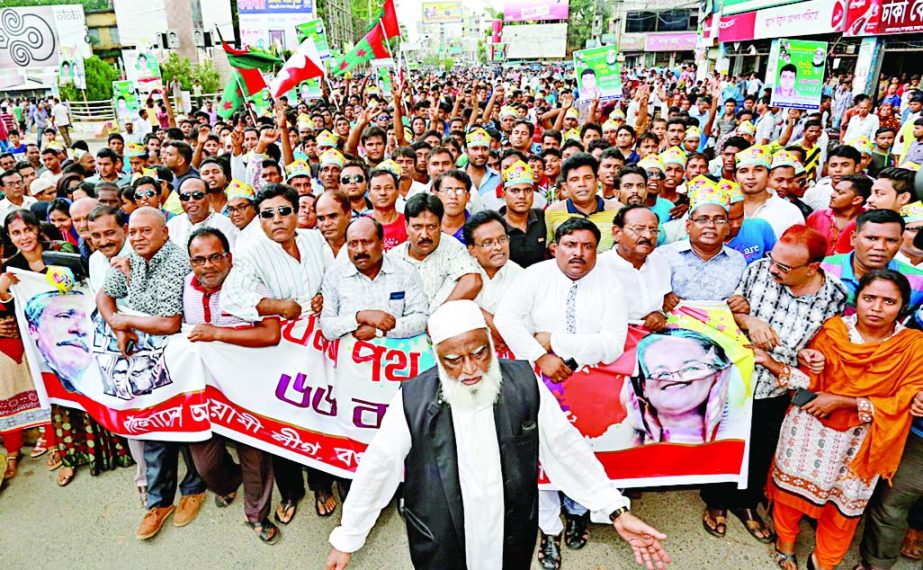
<point x="91" y="524"/>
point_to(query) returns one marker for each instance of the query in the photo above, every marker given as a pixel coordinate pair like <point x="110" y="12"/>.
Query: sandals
<point x="783" y="560"/>
<point x="268" y="532"/>
<point x="912" y="548"/>
<point x="288" y="509"/>
<point x="54" y="461"/>
<point x="12" y="467"/>
<point x="576" y="533"/>
<point x="715" y="522"/>
<point x="66" y="476"/>
<point x="320" y="502"/>
<point x="40" y="449"/>
<point x="755" y="525"/>
<point x="223" y="501"/>
<point x="549" y="552"/>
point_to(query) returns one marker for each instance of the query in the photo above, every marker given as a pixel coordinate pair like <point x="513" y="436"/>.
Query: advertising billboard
<point x="535" y="10"/>
<point x="536" y="41"/>
<point x="265" y="22"/>
<point x="33" y="37"/>
<point x="436" y="12"/>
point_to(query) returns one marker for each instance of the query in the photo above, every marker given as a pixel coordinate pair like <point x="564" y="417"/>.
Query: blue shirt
<point x="694" y="279"/>
<point x="489" y="182"/>
<point x="754" y="240"/>
<point x="662" y="209"/>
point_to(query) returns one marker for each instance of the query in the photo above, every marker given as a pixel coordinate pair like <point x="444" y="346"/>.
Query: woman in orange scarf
<point x="833" y="448"/>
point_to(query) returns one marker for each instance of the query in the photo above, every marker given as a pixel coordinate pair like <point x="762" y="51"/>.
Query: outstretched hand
<point x="644" y="541"/>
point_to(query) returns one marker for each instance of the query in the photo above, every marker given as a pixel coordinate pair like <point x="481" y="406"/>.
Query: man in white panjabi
<point x="468" y="436"/>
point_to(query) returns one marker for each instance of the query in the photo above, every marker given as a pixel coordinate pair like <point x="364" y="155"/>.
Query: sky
<point x="410" y="12"/>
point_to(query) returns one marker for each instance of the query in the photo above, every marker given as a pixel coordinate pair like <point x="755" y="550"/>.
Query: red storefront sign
<point x="880" y="17"/>
<point x="737" y="27"/>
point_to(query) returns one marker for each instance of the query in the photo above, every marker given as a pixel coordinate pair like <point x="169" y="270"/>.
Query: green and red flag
<point x="232" y="98"/>
<point x="250" y="58"/>
<point x="372" y="46"/>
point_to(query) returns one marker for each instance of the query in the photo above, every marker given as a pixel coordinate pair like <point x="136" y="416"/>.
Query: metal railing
<point x="102" y="111"/>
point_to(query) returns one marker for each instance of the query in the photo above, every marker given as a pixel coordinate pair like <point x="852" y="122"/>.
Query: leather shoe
<point x="189" y="506"/>
<point x="152" y="521"/>
<point x="549" y="552"/>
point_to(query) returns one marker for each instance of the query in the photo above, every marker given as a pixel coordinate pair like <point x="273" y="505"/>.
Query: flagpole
<point x="243" y="92"/>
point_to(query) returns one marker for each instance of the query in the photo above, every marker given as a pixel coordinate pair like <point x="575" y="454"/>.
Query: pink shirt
<point x="395" y="232"/>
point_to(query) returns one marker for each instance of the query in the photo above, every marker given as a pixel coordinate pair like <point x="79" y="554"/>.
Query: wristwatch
<point x="618" y="512"/>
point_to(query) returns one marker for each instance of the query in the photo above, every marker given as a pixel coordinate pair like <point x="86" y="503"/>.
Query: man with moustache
<point x="215" y="175"/>
<point x="197" y="213"/>
<point x="464" y="416"/>
<point x="561" y="314"/>
<point x="637" y="266"/>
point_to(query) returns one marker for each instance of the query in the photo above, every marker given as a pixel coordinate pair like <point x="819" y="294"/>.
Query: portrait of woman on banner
<point x="679" y="393"/>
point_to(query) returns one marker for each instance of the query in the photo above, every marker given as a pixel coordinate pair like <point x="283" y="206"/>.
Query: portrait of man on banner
<point x="58" y="324"/>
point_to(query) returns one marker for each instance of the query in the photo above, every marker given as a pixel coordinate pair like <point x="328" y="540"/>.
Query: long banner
<point x="674" y="409"/>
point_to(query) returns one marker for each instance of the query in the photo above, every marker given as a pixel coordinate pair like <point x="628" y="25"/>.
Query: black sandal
<point x="289" y="508"/>
<point x="320" y="500"/>
<point x="720" y="518"/>
<point x="268" y="532"/>
<point x="549" y="552"/>
<point x="224" y="501"/>
<point x="781" y="558"/>
<point x="754" y="525"/>
<point x="576" y="531"/>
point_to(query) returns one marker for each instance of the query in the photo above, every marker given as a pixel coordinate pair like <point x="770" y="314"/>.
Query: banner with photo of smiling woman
<point x="675" y="408"/>
<point x="798" y="79"/>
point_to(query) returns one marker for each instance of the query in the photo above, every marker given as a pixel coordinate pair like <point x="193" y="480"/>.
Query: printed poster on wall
<point x="799" y="76"/>
<point x="71" y="69"/>
<point x="599" y="73"/>
<point x="315" y="30"/>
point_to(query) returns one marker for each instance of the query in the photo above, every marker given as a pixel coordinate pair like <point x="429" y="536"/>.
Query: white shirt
<point x="537" y="302"/>
<point x="52" y="176"/>
<point x="780" y="213"/>
<point x="441" y="269"/>
<point x="251" y="231"/>
<point x="859" y="127"/>
<point x="99" y="265"/>
<point x="60" y="115"/>
<point x="564" y="454"/>
<point x="6" y="206"/>
<point x="263" y="263"/>
<point x="765" y="125"/>
<point x="493" y="289"/>
<point x="648" y="285"/>
<point x="180" y="228"/>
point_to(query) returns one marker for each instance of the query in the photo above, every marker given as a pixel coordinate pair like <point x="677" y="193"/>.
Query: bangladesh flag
<point x="372" y="46"/>
<point x="232" y="98"/>
<point x="250" y="58"/>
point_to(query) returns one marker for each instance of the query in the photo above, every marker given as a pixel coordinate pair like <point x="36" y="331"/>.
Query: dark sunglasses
<point x="142" y="194"/>
<point x="357" y="179"/>
<point x="283" y="211"/>
<point x="193" y="196"/>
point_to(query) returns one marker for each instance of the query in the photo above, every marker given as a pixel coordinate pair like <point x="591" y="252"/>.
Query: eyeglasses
<point x="283" y="211"/>
<point x="454" y="191"/>
<point x="194" y="196"/>
<point x="357" y="179"/>
<point x="492" y="243"/>
<point x="238" y="209"/>
<point x="656" y="175"/>
<point x="782" y="267"/>
<point x="705" y="220"/>
<point x="642" y="230"/>
<point x="691" y="373"/>
<point x="142" y="194"/>
<point x="213" y="259"/>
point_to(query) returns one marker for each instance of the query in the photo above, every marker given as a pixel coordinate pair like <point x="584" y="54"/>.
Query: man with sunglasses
<point x="354" y="182"/>
<point x="197" y="213"/>
<point x="148" y="192"/>
<point x="789" y="297"/>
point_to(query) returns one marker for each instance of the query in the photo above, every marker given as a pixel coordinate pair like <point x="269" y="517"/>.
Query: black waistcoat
<point x="432" y="492"/>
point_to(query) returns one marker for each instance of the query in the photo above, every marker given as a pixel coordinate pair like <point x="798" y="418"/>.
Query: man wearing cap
<point x="913" y="223"/>
<point x="241" y="209"/>
<point x="753" y="176"/>
<point x="193" y="195"/>
<point x="483" y="178"/>
<point x="525" y="224"/>
<point x="782" y="171"/>
<point x="674" y="171"/>
<point x="298" y="176"/>
<point x="653" y="169"/>
<point x="136" y="153"/>
<point x="42" y="189"/>
<point x="331" y="163"/>
<point x="464" y="416"/>
<point x="562" y="314"/>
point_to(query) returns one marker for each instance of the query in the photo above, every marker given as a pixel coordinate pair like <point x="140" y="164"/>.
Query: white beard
<point x="483" y="394"/>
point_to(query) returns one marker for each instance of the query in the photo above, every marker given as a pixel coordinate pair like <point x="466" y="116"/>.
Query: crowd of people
<point x="503" y="213"/>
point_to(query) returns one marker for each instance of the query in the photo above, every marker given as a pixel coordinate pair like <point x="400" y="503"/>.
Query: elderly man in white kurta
<point x="468" y="436"/>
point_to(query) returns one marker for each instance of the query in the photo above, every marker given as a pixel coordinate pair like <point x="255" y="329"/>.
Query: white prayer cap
<point x="454" y="318"/>
<point x="40" y="185"/>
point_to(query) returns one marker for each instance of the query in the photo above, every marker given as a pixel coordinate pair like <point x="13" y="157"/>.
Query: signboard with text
<point x="799" y="76"/>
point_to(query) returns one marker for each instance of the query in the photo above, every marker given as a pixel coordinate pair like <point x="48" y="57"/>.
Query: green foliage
<point x="99" y="75"/>
<point x="187" y="73"/>
<point x="88" y="5"/>
<point x="580" y="22"/>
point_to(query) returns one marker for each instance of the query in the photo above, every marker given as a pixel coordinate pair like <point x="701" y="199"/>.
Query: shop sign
<point x="736" y="28"/>
<point x="803" y="19"/>
<point x="670" y="42"/>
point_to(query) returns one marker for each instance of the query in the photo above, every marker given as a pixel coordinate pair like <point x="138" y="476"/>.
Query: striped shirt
<point x="262" y="269"/>
<point x="841" y="266"/>
<point x="794" y="318"/>
<point x="600" y="216"/>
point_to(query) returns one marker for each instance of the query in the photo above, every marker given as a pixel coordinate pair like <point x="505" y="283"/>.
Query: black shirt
<point x="528" y="247"/>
